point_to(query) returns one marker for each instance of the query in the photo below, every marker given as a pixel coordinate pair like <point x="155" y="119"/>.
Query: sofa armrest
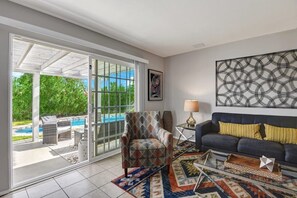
<point x="202" y="129"/>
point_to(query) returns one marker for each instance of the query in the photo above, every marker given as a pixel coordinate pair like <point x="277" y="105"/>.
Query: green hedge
<point x="58" y="96"/>
<point x="64" y="97"/>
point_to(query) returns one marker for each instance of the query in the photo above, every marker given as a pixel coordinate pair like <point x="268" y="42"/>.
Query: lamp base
<point x="191" y="121"/>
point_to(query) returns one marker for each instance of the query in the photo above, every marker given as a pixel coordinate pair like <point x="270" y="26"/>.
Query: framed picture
<point x="155" y="85"/>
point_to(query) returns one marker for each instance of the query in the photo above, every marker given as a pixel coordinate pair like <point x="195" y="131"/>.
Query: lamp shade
<point x="191" y="106"/>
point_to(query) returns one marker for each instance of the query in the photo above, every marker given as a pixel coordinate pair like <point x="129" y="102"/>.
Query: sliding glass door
<point x="113" y="94"/>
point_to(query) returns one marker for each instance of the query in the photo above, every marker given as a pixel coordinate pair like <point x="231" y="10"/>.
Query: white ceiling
<point x="170" y="27"/>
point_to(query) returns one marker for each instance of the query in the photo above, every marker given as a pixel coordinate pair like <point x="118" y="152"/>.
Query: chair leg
<point x="126" y="172"/>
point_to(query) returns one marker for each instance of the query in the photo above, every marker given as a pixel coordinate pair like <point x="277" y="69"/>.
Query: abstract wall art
<point x="155" y="85"/>
<point x="268" y="80"/>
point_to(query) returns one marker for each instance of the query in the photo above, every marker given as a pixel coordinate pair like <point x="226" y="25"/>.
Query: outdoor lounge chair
<point x="54" y="130"/>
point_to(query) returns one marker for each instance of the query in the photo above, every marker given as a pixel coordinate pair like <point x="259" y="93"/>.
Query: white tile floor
<point x="91" y="181"/>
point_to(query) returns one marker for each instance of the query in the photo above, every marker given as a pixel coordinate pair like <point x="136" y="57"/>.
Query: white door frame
<point x="10" y="143"/>
<point x="65" y="38"/>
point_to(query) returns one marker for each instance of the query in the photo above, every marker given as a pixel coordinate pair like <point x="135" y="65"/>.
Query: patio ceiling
<point x="34" y="57"/>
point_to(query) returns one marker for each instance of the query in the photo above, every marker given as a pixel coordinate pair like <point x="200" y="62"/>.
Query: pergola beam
<point x="63" y="75"/>
<point x="54" y="59"/>
<point x="26" y="70"/>
<point x="75" y="65"/>
<point x="23" y="57"/>
<point x="84" y="72"/>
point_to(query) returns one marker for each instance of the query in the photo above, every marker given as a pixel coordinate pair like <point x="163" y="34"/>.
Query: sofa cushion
<point x="261" y="147"/>
<point x="225" y="142"/>
<point x="291" y="153"/>
<point x="283" y="135"/>
<point x="240" y="130"/>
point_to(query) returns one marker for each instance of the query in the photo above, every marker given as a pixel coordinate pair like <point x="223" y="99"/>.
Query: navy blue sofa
<point x="207" y="137"/>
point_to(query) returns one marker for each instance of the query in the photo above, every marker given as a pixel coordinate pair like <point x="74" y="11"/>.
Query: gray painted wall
<point x="192" y="75"/>
<point x="17" y="12"/>
<point x="4" y="109"/>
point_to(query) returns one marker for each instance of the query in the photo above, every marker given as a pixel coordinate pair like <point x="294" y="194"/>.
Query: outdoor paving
<point x="34" y="159"/>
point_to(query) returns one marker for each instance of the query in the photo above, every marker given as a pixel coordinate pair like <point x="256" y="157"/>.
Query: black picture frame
<point x="155" y="85"/>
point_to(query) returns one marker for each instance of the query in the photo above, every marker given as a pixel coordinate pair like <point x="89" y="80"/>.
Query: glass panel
<point x="100" y="68"/>
<point x="94" y="66"/>
<point x="113" y="95"/>
<point x="113" y="84"/>
<point x="113" y="71"/>
<point x="123" y="72"/>
<point x="106" y="67"/>
<point x="130" y="73"/>
<point x="114" y="100"/>
<point x="105" y="86"/>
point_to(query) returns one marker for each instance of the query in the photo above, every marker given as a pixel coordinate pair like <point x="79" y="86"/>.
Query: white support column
<point x="140" y="90"/>
<point x="35" y="106"/>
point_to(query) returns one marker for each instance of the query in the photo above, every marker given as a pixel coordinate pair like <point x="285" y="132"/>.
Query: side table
<point x="181" y="128"/>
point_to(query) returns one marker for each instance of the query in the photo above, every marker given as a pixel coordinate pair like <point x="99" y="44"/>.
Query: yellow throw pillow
<point x="280" y="134"/>
<point x="240" y="130"/>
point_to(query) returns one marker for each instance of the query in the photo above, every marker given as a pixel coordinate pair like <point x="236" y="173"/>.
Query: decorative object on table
<point x="267" y="163"/>
<point x="167" y="121"/>
<point x="182" y="178"/>
<point x="155" y="85"/>
<point x="191" y="106"/>
<point x="251" y="165"/>
<point x="257" y="81"/>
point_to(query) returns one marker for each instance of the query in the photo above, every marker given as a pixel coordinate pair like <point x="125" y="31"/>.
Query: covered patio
<point x="31" y="157"/>
<point x="38" y="58"/>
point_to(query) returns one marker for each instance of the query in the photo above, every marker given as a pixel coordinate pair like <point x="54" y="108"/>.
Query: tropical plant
<point x="59" y="96"/>
<point x="22" y="97"/>
<point x="62" y="96"/>
<point x="117" y="96"/>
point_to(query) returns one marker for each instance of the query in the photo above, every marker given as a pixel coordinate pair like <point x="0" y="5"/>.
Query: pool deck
<point x="32" y="159"/>
<point x="15" y="128"/>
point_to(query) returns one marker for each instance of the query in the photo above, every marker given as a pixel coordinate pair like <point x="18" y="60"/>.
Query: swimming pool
<point x="74" y="122"/>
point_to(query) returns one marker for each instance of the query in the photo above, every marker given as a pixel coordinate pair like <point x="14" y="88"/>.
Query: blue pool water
<point x="74" y="122"/>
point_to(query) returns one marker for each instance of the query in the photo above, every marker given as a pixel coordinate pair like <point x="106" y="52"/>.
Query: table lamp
<point x="191" y="106"/>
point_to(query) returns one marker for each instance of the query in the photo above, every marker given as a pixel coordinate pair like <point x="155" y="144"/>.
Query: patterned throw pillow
<point x="240" y="130"/>
<point x="280" y="134"/>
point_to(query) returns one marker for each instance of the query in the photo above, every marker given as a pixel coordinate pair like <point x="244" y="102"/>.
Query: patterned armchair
<point x="144" y="142"/>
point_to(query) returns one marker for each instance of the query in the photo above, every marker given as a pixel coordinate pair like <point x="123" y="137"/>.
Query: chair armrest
<point x="49" y="129"/>
<point x="202" y="129"/>
<point x="167" y="139"/>
<point x="125" y="138"/>
<point x="64" y="123"/>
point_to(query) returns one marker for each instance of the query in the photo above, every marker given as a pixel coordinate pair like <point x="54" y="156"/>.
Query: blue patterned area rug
<point x="180" y="182"/>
